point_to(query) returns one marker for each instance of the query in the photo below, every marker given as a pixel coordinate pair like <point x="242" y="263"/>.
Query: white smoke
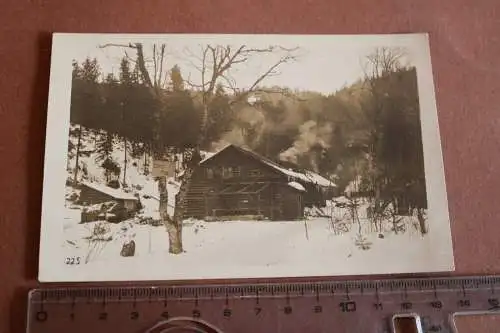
<point x="310" y="135"/>
<point x="234" y="136"/>
<point x="247" y="118"/>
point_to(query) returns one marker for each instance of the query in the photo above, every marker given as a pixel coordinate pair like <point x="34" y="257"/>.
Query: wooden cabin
<point x="237" y="183"/>
<point x="94" y="193"/>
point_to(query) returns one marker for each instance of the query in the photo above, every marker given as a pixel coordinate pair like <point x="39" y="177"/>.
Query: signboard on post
<point x="163" y="168"/>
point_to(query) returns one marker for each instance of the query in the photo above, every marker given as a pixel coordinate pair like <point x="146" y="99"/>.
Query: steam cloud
<point x="310" y="135"/>
<point x="248" y="117"/>
<point x="234" y="136"/>
<point x="306" y="149"/>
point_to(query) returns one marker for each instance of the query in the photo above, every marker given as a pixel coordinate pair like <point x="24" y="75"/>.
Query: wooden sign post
<point x="163" y="168"/>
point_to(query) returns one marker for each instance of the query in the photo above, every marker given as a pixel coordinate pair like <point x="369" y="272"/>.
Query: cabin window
<point x="255" y="173"/>
<point x="217" y="172"/>
<point x="236" y="171"/>
<point x="210" y="173"/>
<point x="231" y="172"/>
<point x="227" y="172"/>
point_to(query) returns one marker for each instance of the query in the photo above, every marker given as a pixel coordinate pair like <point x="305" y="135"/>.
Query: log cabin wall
<point x="235" y="183"/>
<point x="232" y="183"/>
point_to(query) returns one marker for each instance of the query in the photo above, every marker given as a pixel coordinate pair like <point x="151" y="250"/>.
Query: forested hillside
<point x="369" y="129"/>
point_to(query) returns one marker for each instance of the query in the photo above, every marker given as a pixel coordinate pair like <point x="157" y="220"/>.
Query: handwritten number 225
<point x="72" y="261"/>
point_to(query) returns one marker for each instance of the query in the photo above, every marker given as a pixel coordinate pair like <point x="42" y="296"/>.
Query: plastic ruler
<point x="368" y="306"/>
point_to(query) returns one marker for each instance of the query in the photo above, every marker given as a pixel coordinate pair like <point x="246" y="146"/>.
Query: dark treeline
<point x="368" y="132"/>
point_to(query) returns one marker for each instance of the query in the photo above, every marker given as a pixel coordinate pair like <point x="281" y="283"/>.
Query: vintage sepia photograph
<point x="181" y="156"/>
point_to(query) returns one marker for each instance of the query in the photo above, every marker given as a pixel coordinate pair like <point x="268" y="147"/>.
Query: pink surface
<point x="465" y="49"/>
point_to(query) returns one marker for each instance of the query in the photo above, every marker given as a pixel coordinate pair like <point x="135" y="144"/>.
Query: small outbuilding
<point x="95" y="193"/>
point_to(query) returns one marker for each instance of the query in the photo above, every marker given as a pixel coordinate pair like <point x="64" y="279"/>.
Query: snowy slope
<point x="136" y="180"/>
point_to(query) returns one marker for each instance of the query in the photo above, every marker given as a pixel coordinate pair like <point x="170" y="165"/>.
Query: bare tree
<point x="380" y="63"/>
<point x="385" y="174"/>
<point x="214" y="63"/>
<point x="383" y="61"/>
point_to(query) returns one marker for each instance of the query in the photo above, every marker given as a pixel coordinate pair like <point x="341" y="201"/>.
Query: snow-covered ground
<point x="231" y="249"/>
<point x="241" y="249"/>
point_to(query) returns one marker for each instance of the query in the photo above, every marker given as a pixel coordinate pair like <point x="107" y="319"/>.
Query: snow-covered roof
<point x="306" y="176"/>
<point x="297" y="186"/>
<point x="112" y="192"/>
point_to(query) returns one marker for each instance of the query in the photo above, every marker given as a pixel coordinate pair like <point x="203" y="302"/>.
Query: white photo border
<point x="439" y="249"/>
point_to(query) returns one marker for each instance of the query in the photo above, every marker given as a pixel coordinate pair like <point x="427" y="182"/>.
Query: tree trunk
<point x="174" y="227"/>
<point x="394" y="223"/>
<point x="393" y="215"/>
<point x="174" y="230"/>
<point x="145" y="166"/>
<point x="125" y="163"/>
<point x="162" y="187"/>
<point x="174" y="237"/>
<point x="181" y="198"/>
<point x="353" y="209"/>
<point x="421" y="221"/>
<point x="75" y="177"/>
